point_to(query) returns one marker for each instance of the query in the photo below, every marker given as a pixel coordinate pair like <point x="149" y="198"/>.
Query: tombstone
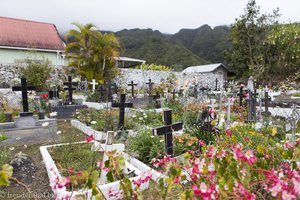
<point x="122" y="105"/>
<point x="167" y="130"/>
<point x="150" y="87"/>
<point x="132" y="88"/>
<point x="250" y="84"/>
<point x="93" y="83"/>
<point x="24" y="88"/>
<point x="85" y="86"/>
<point x="173" y="94"/>
<point x="53" y="94"/>
<point x="70" y="88"/>
<point x="252" y="107"/>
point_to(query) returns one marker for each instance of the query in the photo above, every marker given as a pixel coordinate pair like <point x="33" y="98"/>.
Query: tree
<point x="37" y="73"/>
<point x="92" y="53"/>
<point x="247" y="35"/>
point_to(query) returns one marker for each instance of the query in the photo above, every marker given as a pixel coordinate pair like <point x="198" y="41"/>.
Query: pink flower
<point x="176" y="179"/>
<point x="250" y="157"/>
<point x="201" y="143"/>
<point x="287" y="196"/>
<point x="89" y="138"/>
<point x="229" y="133"/>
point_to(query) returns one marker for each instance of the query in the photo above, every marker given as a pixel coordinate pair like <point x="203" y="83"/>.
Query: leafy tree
<point x="281" y="52"/>
<point x="247" y="36"/>
<point x="92" y="53"/>
<point x="37" y="73"/>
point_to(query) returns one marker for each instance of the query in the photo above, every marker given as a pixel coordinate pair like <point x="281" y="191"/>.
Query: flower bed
<point x="109" y="190"/>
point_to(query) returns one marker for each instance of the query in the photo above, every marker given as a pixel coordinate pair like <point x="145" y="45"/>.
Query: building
<point x="125" y="62"/>
<point x="24" y="39"/>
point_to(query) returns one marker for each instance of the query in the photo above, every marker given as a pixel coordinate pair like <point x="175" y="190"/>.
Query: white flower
<point x="134" y="116"/>
<point x="18" y="138"/>
<point x="93" y="122"/>
<point x="152" y="136"/>
<point x="46" y="124"/>
<point x="53" y="114"/>
<point x="58" y="132"/>
<point x="140" y="118"/>
<point x="77" y="113"/>
<point x="161" y="140"/>
<point x="25" y="146"/>
<point x="12" y="148"/>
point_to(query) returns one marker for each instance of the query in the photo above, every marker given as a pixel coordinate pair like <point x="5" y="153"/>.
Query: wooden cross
<point x="93" y="83"/>
<point x="122" y="105"/>
<point x="24" y="88"/>
<point x="150" y="87"/>
<point x="132" y="88"/>
<point x="102" y="89"/>
<point x="167" y="130"/>
<point x="70" y="88"/>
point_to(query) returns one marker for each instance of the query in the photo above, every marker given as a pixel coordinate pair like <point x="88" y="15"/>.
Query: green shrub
<point x="154" y="67"/>
<point x="3" y="136"/>
<point x="37" y="73"/>
<point x="2" y="117"/>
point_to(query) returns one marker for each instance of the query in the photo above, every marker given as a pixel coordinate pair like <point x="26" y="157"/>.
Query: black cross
<point x="102" y="89"/>
<point x="252" y="106"/>
<point x="167" y="130"/>
<point x="156" y="96"/>
<point x="24" y="88"/>
<point x="121" y="105"/>
<point x="70" y="88"/>
<point x="216" y="88"/>
<point x="173" y="93"/>
<point x="132" y="88"/>
<point x="241" y="95"/>
<point x="203" y="89"/>
<point x="266" y="103"/>
<point x="150" y="87"/>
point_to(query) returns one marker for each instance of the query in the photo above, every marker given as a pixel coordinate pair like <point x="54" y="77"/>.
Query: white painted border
<point x="98" y="135"/>
<point x="131" y="163"/>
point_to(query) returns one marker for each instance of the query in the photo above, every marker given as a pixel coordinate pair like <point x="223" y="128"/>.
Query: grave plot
<point x="104" y="178"/>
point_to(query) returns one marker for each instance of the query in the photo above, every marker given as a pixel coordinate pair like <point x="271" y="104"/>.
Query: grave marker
<point x="167" y="130"/>
<point x="24" y="89"/>
<point x="216" y="87"/>
<point x="122" y="105"/>
<point x="150" y="87"/>
<point x="85" y="86"/>
<point x="132" y="88"/>
<point x="70" y="88"/>
<point x="173" y="94"/>
<point x="93" y="83"/>
<point x="102" y="89"/>
<point x="294" y="118"/>
<point x="241" y="95"/>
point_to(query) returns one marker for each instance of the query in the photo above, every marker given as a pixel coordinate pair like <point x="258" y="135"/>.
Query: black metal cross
<point x="241" y="95"/>
<point x="102" y="89"/>
<point x="167" y="130"/>
<point x="70" y="88"/>
<point x="173" y="93"/>
<point x="203" y="89"/>
<point x="150" y="87"/>
<point x="132" y="88"/>
<point x="24" y="88"/>
<point x="122" y="105"/>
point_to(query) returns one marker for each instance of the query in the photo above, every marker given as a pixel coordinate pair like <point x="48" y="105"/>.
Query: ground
<point x="40" y="185"/>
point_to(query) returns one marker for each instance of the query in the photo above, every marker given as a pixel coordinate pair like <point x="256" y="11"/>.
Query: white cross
<point x="166" y="93"/>
<point x="229" y="103"/>
<point x="94" y="83"/>
<point x="212" y="104"/>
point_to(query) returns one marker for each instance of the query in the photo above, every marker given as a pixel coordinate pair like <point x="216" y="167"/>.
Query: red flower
<point x="89" y="138"/>
<point x="229" y="132"/>
<point x="45" y="96"/>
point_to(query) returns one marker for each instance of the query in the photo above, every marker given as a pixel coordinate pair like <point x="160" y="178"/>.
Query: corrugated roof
<point x="29" y="34"/>
<point x="129" y="59"/>
<point x="205" y="68"/>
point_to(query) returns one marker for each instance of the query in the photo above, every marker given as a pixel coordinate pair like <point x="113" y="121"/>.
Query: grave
<point x="66" y="110"/>
<point x="27" y="128"/>
<point x="167" y="131"/>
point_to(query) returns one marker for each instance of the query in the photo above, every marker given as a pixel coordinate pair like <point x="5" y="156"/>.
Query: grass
<point x="76" y="156"/>
<point x="296" y="95"/>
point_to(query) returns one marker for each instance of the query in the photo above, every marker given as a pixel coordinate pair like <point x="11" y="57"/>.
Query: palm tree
<point x="92" y="52"/>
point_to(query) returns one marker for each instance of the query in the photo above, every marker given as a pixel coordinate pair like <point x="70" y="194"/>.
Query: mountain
<point x="186" y="48"/>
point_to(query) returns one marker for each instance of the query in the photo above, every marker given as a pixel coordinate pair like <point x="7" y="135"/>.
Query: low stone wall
<point x="11" y="97"/>
<point x="8" y="72"/>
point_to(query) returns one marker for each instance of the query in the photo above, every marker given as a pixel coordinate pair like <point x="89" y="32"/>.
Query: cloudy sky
<point x="167" y="16"/>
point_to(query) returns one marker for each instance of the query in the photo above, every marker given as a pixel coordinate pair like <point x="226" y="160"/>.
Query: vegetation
<point x="92" y="53"/>
<point x="154" y="67"/>
<point x="3" y="136"/>
<point x="37" y="73"/>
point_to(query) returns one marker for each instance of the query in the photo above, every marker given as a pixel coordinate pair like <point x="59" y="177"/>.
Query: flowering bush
<point x="40" y="103"/>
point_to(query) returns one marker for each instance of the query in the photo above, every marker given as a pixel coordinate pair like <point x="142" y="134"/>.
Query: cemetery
<point x="87" y="126"/>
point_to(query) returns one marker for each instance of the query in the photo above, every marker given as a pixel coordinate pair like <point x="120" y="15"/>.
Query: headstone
<point x="102" y="91"/>
<point x="294" y="118"/>
<point x="24" y="88"/>
<point x="132" y="88"/>
<point x="167" y="130"/>
<point x="70" y="88"/>
<point x="93" y="83"/>
<point x="250" y="84"/>
<point x="150" y="87"/>
<point x="122" y="105"/>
